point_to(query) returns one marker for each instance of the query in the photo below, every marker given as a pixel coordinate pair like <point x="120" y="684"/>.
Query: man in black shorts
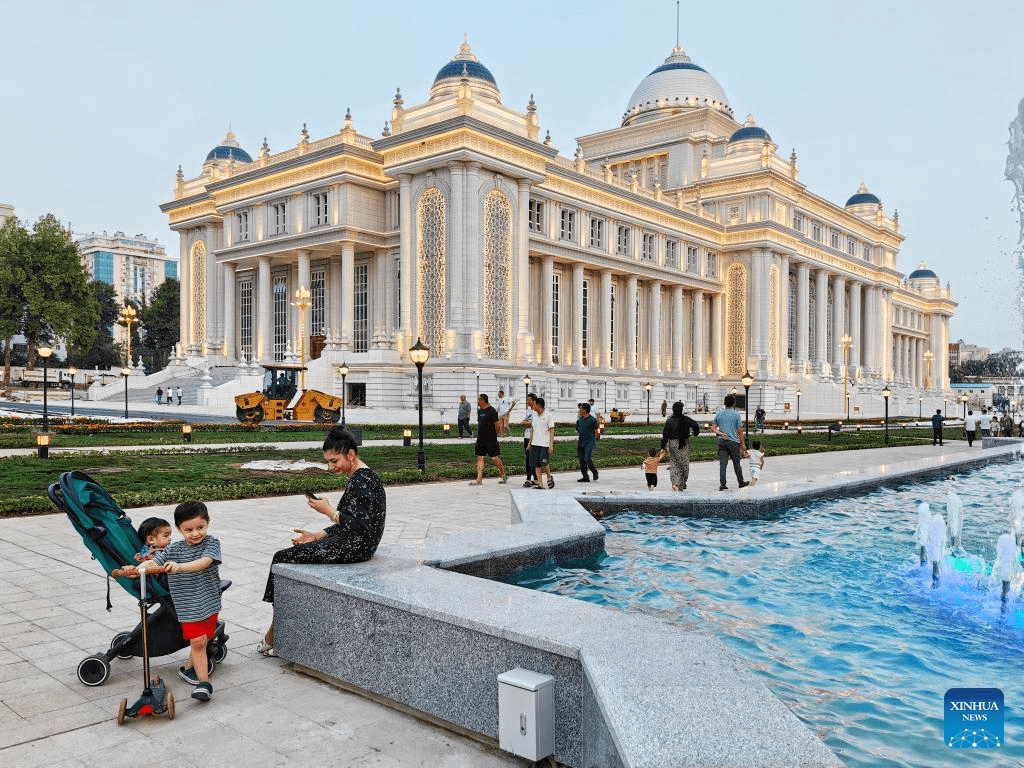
<point x="487" y="440"/>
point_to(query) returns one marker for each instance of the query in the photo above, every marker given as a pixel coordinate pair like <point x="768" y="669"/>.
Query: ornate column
<point x="856" y="354"/>
<point x="264" y="312"/>
<point x="336" y="294"/>
<point x="758" y="309"/>
<point x="228" y="270"/>
<point x="885" y="303"/>
<point x="214" y="291"/>
<point x="838" y="321"/>
<point x="348" y="279"/>
<point x="577" y="316"/>
<point x="654" y="357"/>
<point x="407" y="324"/>
<point x="607" y="361"/>
<point x="631" y="330"/>
<point x="677" y="360"/>
<point x="521" y="278"/>
<point x="820" y="319"/>
<point x="803" y="295"/>
<point x="699" y="340"/>
<point x="467" y="221"/>
<point x="463" y="282"/>
<point x="781" y="365"/>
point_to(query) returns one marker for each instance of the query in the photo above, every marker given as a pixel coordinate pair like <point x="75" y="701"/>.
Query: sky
<point x="102" y="101"/>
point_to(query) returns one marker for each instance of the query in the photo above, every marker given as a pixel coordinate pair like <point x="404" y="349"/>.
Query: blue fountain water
<point x="830" y="605"/>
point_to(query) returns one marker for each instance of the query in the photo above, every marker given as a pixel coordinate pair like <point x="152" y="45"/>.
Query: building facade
<point x="677" y="249"/>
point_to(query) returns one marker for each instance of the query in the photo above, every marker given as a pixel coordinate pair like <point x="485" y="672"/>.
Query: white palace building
<point x="678" y="249"/>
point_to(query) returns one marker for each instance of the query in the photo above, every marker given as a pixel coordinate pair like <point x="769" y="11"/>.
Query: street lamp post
<point x="419" y="353"/>
<point x="477" y="381"/>
<point x="128" y="316"/>
<point x="302" y="303"/>
<point x="45" y="350"/>
<point x="746" y="381"/>
<point x="343" y="372"/>
<point x="126" y="372"/>
<point x="71" y="372"/>
<point x="648" y="386"/>
<point x="886" y="394"/>
<point x="527" y="381"/>
<point x="847" y="341"/>
<point x="798" y="393"/>
<point x="963" y="399"/>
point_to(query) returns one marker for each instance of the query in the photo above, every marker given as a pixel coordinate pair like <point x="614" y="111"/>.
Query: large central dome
<point x="676" y="84"/>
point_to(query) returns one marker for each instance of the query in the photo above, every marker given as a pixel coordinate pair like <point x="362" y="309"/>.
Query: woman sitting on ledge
<point x="358" y="520"/>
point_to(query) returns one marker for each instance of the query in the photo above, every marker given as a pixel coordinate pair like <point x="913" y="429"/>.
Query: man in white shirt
<point x="504" y="406"/>
<point x="971" y="427"/>
<point x="542" y="442"/>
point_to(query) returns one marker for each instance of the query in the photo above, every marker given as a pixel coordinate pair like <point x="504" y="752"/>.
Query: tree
<point x="14" y="239"/>
<point x="161" y="322"/>
<point x="58" y="302"/>
<point x="102" y="352"/>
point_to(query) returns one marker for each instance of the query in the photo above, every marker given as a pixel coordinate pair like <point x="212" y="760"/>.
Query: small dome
<point x="750" y="130"/>
<point x="228" y="149"/>
<point x="863" y="197"/>
<point x="923" y="273"/>
<point x="676" y="84"/>
<point x="465" y="65"/>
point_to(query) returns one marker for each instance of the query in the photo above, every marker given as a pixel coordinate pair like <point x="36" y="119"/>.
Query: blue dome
<point x="861" y="198"/>
<point x="454" y="69"/>
<point x="222" y="152"/>
<point x="677" y="65"/>
<point x="750" y="132"/>
<point x="923" y="272"/>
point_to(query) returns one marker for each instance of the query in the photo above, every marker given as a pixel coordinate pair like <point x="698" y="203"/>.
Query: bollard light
<point x="186" y="433"/>
<point x="785" y="425"/>
<point x="446" y="428"/>
<point x="407" y="438"/>
<point x="43" y="444"/>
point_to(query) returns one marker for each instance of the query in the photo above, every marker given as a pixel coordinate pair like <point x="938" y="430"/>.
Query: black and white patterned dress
<point x="353" y="539"/>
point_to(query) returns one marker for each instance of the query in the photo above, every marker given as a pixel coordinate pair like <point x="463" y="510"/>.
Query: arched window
<point x="431" y="270"/>
<point x="497" y="287"/>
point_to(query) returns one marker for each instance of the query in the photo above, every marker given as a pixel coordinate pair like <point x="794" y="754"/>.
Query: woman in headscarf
<point x="675" y="438"/>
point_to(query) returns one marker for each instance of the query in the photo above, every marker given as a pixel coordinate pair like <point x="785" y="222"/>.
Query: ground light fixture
<point x="44" y="351"/>
<point x="43" y="444"/>
<point x="186" y="433"/>
<point x="407" y="437"/>
<point x="419" y="353"/>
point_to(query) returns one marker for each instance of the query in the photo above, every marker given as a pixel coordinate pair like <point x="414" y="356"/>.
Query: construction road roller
<point x="280" y="385"/>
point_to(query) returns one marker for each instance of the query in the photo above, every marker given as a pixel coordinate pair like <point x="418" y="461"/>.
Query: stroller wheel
<point x="94" y="670"/>
<point x="170" y="706"/>
<point x="121" y="710"/>
<point x="218" y="652"/>
<point x="119" y="638"/>
<point x="210" y="664"/>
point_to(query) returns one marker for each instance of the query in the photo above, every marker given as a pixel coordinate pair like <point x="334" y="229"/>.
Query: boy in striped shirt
<point x="194" y="581"/>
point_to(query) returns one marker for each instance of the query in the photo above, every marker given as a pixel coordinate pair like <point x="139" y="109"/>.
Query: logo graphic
<point x="974" y="718"/>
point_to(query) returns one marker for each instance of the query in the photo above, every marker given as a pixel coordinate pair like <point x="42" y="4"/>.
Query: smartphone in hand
<point x="311" y="495"/>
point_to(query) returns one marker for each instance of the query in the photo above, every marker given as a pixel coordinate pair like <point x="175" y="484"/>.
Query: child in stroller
<point x="108" y="533"/>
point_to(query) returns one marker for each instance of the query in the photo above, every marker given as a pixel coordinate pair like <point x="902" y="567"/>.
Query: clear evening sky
<point x="103" y="100"/>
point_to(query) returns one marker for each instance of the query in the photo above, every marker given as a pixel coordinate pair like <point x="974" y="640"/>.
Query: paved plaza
<point x="52" y="614"/>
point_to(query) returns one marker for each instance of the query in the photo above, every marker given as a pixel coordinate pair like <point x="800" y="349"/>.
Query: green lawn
<point x="162" y="476"/>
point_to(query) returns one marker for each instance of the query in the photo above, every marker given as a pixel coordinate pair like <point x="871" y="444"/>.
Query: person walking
<point x="731" y="442"/>
<point x="971" y="427"/>
<point x="937" y="427"/>
<point x="179" y="393"/>
<point x="542" y="443"/>
<point x="586" y="441"/>
<point x="464" y="411"/>
<point x="487" y="439"/>
<point x="527" y="425"/>
<point x="675" y="439"/>
<point x="159" y="395"/>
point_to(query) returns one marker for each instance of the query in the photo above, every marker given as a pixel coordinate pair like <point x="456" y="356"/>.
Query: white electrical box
<point x="526" y="713"/>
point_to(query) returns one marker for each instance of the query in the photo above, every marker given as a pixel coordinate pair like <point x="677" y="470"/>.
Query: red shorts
<point x="190" y="630"/>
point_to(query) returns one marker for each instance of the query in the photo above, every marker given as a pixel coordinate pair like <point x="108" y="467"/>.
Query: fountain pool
<point x="830" y="604"/>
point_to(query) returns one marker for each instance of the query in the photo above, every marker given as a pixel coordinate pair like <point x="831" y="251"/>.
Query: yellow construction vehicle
<point x="280" y="384"/>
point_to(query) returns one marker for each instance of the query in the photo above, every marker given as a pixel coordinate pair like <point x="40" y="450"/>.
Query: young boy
<point x="650" y="467"/>
<point x="155" y="534"/>
<point x="194" y="581"/>
<point x="756" y="456"/>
